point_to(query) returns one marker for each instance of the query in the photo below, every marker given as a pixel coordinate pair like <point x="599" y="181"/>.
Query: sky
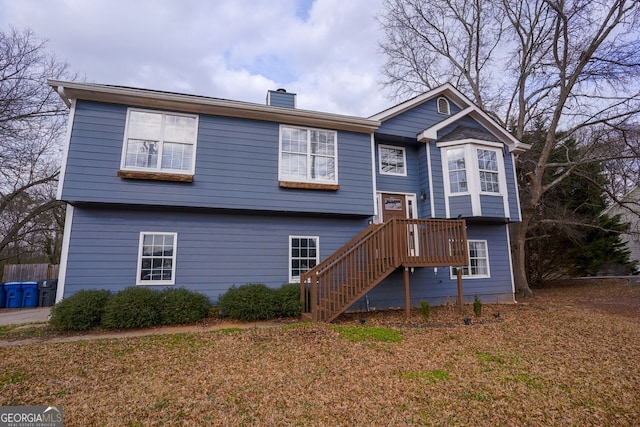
<point x="325" y="51"/>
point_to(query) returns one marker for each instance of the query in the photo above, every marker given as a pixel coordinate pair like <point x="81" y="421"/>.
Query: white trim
<point x="408" y="196"/>
<point x="374" y="177"/>
<point x="161" y="143"/>
<point x="473" y="177"/>
<point x="64" y="253"/>
<point x="65" y="150"/>
<point x="498" y="145"/>
<point x="430" y="173"/>
<point x="282" y="177"/>
<point x="469" y="276"/>
<point x="404" y="159"/>
<point x="431" y="134"/>
<point x="456" y="96"/>
<point x="513" y="280"/>
<point x="294" y="279"/>
<point x="174" y="258"/>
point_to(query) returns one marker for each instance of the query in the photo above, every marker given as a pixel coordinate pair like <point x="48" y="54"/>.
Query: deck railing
<point x="335" y="284"/>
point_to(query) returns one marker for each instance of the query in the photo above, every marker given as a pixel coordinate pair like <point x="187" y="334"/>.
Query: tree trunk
<point x="518" y="231"/>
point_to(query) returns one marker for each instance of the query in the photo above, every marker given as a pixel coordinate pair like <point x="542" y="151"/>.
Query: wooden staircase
<point x="335" y="284"/>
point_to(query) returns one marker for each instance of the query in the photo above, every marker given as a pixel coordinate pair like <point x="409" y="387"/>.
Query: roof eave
<point x="213" y="106"/>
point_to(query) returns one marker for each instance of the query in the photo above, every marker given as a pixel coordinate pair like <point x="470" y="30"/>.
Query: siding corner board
<point x="309" y="185"/>
<point x="155" y="176"/>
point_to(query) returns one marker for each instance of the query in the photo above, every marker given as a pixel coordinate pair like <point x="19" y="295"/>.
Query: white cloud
<point x="323" y="50"/>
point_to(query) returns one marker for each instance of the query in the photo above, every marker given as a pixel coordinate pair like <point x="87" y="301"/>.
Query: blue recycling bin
<point x="13" y="291"/>
<point x="3" y="296"/>
<point x="30" y="295"/>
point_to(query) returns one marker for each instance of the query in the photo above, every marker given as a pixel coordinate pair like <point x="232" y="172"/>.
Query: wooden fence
<point x="30" y="272"/>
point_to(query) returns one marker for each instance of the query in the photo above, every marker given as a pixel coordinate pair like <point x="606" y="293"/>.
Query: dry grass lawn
<point x="570" y="356"/>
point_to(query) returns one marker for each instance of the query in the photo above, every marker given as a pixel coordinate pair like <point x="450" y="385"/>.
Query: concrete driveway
<point x="17" y="316"/>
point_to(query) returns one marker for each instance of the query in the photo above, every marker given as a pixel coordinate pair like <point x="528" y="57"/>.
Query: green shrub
<point x="425" y="310"/>
<point x="252" y="301"/>
<point x="81" y="311"/>
<point x="477" y="306"/>
<point x="179" y="306"/>
<point x="133" y="307"/>
<point x="288" y="302"/>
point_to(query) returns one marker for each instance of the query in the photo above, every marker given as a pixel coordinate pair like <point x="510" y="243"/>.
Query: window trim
<point x="289" y="181"/>
<point x="473" y="173"/>
<point x="133" y="172"/>
<point x="139" y="281"/>
<point x="446" y="102"/>
<point x="296" y="279"/>
<point x="452" y="270"/>
<point x="404" y="159"/>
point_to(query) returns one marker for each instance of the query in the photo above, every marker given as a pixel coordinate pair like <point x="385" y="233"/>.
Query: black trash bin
<point x="47" y="290"/>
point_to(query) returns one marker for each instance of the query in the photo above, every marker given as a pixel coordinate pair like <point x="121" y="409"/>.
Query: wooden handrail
<point x="332" y="286"/>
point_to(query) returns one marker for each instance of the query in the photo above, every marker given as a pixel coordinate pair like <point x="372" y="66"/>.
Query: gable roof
<point x="206" y="105"/>
<point x="467" y="108"/>
<point x="467" y="132"/>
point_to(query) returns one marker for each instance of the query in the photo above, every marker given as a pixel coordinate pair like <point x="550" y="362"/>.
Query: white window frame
<point x="466" y="169"/>
<point x="440" y="102"/>
<point x="296" y="279"/>
<point x="467" y="268"/>
<point x="158" y="168"/>
<point x="495" y="172"/>
<point x="173" y="257"/>
<point x="404" y="160"/>
<point x="474" y="189"/>
<point x="282" y="176"/>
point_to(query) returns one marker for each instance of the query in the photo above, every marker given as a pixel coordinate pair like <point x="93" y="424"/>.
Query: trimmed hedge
<point x="180" y="306"/>
<point x="257" y="301"/>
<point x="133" y="307"/>
<point x="288" y="302"/>
<point x="81" y="311"/>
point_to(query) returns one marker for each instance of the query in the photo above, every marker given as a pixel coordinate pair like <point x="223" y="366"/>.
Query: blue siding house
<point x="167" y="189"/>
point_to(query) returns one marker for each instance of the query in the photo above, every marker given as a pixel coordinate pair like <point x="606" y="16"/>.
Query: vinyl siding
<point x="512" y="187"/>
<point x="492" y="206"/>
<point x="236" y="168"/>
<point x="437" y="176"/>
<point x="414" y="121"/>
<point x="460" y="205"/>
<point x="214" y="250"/>
<point x="400" y="184"/>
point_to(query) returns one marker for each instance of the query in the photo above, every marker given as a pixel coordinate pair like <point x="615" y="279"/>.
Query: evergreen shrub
<point x="81" y="311"/>
<point x="179" y="306"/>
<point x="133" y="307"/>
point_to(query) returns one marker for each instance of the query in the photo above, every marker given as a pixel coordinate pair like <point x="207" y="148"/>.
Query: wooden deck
<point x="348" y="274"/>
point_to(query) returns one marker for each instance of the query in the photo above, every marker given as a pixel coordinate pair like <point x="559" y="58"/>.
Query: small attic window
<point x="443" y="106"/>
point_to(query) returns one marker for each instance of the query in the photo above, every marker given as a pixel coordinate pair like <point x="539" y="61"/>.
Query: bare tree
<point x="32" y="120"/>
<point x="570" y="64"/>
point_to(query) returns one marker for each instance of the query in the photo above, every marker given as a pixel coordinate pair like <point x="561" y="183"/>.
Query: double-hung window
<point x="392" y="160"/>
<point x="478" y="260"/>
<point x="308" y="155"/>
<point x="488" y="168"/>
<point x="160" y="142"/>
<point x="457" y="170"/>
<point x="157" y="258"/>
<point x="303" y="256"/>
